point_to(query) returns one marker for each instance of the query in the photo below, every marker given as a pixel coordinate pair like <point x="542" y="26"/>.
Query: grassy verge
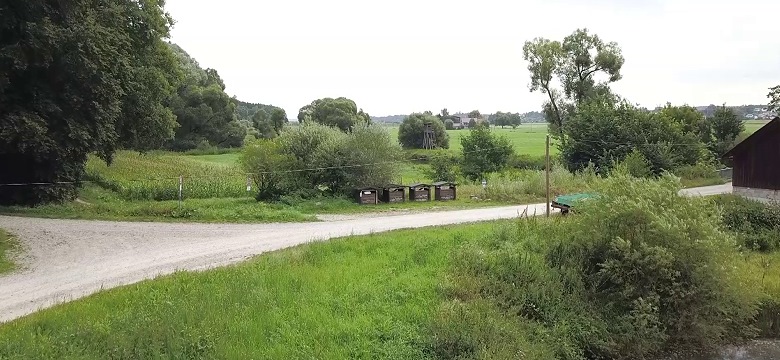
<point x="8" y="245"/>
<point x="99" y="204"/>
<point x="369" y="297"/>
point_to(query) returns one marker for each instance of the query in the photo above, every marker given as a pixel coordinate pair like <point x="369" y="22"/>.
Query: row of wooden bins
<point x="393" y="193"/>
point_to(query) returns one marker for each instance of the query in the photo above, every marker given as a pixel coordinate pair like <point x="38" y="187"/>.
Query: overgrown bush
<point x="756" y="224"/>
<point x="412" y="131"/>
<point x="484" y="152"/>
<point x="449" y="124"/>
<point x="636" y="165"/>
<point x="527" y="162"/>
<point x="640" y="272"/>
<point x="444" y="167"/>
<point x="315" y="158"/>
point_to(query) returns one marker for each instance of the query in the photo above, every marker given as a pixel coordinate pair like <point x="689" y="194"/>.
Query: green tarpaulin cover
<point x="570" y="199"/>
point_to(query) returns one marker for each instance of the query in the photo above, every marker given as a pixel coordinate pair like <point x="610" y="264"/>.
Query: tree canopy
<point x="774" y="98"/>
<point x="340" y="112"/>
<point x="74" y="79"/>
<point x="412" y="131"/>
<point x="205" y="113"/>
<point x="575" y="62"/>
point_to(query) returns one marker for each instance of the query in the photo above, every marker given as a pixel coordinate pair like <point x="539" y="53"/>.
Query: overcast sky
<point x="403" y="56"/>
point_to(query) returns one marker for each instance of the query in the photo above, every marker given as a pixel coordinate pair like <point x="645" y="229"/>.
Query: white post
<point x="181" y="186"/>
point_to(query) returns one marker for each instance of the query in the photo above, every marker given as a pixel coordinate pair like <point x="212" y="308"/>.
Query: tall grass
<point x="367" y="297"/>
<point x="155" y="176"/>
<point x="529" y="185"/>
<point x="8" y="246"/>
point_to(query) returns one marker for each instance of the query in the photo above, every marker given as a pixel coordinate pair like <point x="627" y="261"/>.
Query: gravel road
<point x="67" y="259"/>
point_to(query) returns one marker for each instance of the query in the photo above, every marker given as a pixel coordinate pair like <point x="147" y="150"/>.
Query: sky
<point x="407" y="56"/>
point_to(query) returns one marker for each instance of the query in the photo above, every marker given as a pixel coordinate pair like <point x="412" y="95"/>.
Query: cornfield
<point x="155" y="176"/>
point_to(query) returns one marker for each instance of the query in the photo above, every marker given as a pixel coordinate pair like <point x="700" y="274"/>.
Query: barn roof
<point x="771" y="128"/>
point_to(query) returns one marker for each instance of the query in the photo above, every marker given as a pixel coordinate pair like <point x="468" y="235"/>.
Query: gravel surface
<point x="68" y="259"/>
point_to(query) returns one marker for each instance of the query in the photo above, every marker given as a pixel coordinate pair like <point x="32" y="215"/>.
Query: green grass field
<point x="8" y="245"/>
<point x="369" y="297"/>
<point x="752" y="126"/>
<point x="527" y="138"/>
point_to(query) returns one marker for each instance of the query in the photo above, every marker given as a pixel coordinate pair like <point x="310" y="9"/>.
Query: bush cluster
<point x="640" y="272"/>
<point x="314" y="159"/>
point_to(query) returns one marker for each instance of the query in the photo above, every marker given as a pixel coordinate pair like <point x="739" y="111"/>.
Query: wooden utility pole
<point x="547" y="173"/>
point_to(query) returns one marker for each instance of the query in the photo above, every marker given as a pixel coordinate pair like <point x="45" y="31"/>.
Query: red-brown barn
<point x="757" y="163"/>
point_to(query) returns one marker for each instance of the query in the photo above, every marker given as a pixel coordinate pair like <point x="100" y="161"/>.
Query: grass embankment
<point x="8" y="246"/>
<point x="368" y="297"/>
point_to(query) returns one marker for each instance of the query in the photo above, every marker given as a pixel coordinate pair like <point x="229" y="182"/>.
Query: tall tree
<point x="774" y="98"/>
<point x="475" y="114"/>
<point x="412" y="131"/>
<point x="575" y="62"/>
<point x="341" y="112"/>
<point x="77" y="78"/>
<point x="205" y="113"/>
<point x="725" y="126"/>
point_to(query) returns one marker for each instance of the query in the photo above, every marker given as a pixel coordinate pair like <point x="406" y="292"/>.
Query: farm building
<point x="757" y="164"/>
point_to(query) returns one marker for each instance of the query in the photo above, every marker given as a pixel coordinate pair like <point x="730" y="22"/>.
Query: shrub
<point x="527" y="162"/>
<point x="449" y="124"/>
<point x="267" y="164"/>
<point x="444" y="167"/>
<point x="636" y="165"/>
<point x="756" y="225"/>
<point x="640" y="272"/>
<point x="315" y="156"/>
<point x="412" y="131"/>
<point x="484" y="152"/>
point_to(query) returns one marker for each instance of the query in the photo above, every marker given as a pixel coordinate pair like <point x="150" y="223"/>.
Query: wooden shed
<point x="394" y="193"/>
<point x="420" y="192"/>
<point x="367" y="196"/>
<point x="756" y="163"/>
<point x="445" y="190"/>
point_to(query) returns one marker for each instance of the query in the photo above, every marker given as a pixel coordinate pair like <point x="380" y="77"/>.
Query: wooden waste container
<point x="367" y="196"/>
<point x="445" y="190"/>
<point x="394" y="193"/>
<point x="420" y="192"/>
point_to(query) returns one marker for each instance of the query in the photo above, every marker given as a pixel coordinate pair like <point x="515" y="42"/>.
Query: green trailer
<point x="566" y="202"/>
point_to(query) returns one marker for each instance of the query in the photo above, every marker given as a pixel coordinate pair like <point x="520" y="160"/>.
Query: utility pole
<point x="547" y="173"/>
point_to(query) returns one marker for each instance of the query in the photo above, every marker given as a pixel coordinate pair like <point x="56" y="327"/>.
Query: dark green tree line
<point x="74" y="79"/>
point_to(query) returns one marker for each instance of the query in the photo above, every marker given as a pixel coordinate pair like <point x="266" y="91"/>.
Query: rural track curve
<point x="64" y="260"/>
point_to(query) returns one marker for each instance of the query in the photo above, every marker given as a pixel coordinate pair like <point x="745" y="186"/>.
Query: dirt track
<point x="68" y="259"/>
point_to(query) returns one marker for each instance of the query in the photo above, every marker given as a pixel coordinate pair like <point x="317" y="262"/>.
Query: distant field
<point x="752" y="126"/>
<point x="527" y="139"/>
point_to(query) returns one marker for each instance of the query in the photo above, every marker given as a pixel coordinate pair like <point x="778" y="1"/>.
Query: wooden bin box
<point x="445" y="190"/>
<point x="367" y="196"/>
<point x="420" y="192"/>
<point x="394" y="193"/>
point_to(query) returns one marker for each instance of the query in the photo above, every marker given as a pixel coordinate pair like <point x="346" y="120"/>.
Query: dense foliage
<point x="774" y="99"/>
<point x="315" y="159"/>
<point x="756" y="224"/>
<point x="412" y="131"/>
<point x="341" y="113"/>
<point x="205" y="113"/>
<point x="484" y="152"/>
<point x="639" y="272"/>
<point x="603" y="132"/>
<point x="506" y="119"/>
<point x="76" y="78"/>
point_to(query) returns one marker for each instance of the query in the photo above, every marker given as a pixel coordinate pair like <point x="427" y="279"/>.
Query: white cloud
<point x="403" y="56"/>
